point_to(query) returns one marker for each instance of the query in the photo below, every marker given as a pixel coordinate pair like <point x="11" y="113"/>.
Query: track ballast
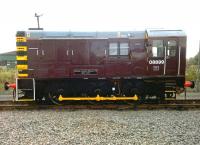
<point x="169" y="104"/>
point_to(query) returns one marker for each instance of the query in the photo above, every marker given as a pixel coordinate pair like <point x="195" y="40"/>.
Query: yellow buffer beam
<point x="97" y="98"/>
<point x="22" y="75"/>
<point x="21" y="48"/>
<point x="22" y="67"/>
<point x="21" y="39"/>
<point x="21" y="57"/>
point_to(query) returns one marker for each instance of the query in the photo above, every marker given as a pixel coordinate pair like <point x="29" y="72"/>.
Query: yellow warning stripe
<point x="97" y="98"/>
<point x="21" y="57"/>
<point x="22" y="75"/>
<point x="21" y="39"/>
<point x="21" y="48"/>
<point x="22" y="67"/>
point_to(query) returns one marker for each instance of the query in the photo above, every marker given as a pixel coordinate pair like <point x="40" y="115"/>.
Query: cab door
<point x="163" y="56"/>
<point x="156" y="57"/>
<point x="171" y="56"/>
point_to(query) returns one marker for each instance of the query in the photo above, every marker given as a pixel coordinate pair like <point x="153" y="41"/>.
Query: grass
<point x="6" y="75"/>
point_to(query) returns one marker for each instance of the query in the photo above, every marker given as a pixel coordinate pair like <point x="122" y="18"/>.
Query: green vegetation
<point x="8" y="59"/>
<point x="192" y="68"/>
<point x="6" y="75"/>
<point x="192" y="72"/>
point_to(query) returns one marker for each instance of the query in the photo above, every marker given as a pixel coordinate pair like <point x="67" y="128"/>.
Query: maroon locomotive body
<point x="81" y="64"/>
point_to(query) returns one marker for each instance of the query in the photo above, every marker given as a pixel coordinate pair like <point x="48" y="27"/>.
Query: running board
<point x="170" y="91"/>
<point x="98" y="98"/>
<point x="25" y="100"/>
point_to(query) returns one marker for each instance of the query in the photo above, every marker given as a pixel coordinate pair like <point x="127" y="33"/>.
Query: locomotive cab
<point x="167" y="57"/>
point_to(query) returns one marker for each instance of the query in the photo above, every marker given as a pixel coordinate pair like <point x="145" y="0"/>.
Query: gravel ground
<point x="189" y="95"/>
<point x="87" y="127"/>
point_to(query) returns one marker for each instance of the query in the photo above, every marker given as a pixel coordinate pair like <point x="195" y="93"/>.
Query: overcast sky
<point x="100" y="15"/>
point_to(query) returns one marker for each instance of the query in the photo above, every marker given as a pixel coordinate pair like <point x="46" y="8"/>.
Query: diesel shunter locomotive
<point x="98" y="66"/>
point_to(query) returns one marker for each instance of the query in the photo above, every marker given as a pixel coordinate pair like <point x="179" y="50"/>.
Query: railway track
<point x="169" y="104"/>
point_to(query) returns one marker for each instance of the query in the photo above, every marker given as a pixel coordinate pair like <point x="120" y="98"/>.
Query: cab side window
<point x="113" y="49"/>
<point x="124" y="48"/>
<point x="171" y="48"/>
<point x="158" y="48"/>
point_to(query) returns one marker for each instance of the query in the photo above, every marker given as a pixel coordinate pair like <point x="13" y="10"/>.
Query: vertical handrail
<point x="179" y="59"/>
<point x="165" y="60"/>
<point x="198" y="70"/>
<point x="16" y="99"/>
<point x="33" y="89"/>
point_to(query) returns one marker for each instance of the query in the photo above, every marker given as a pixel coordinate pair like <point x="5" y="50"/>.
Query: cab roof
<point x="165" y="33"/>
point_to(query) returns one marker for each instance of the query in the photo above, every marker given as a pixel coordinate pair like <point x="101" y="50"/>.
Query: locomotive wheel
<point x="138" y="91"/>
<point x="141" y="97"/>
<point x="96" y="92"/>
<point x="54" y="95"/>
<point x="54" y="99"/>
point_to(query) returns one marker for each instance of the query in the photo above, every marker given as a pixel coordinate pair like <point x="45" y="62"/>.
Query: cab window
<point x="113" y="49"/>
<point x="158" y="48"/>
<point x="124" y="48"/>
<point x="171" y="48"/>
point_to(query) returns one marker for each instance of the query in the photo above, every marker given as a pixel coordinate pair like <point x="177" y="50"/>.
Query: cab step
<point x="25" y="100"/>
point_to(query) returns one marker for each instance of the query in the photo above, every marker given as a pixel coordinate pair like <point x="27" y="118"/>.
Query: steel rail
<point x="176" y="104"/>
